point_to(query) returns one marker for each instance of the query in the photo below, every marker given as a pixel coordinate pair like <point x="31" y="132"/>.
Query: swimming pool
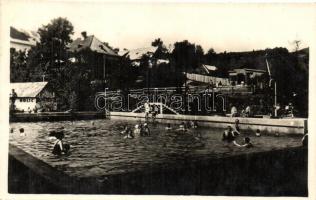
<point x="98" y="149"/>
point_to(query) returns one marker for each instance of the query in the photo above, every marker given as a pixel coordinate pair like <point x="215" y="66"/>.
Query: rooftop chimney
<point x="84" y="34"/>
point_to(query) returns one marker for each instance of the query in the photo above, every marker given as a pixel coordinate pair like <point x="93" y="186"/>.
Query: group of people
<point x="142" y="130"/>
<point x="245" y="112"/>
<point x="139" y="130"/>
<point x="151" y="109"/>
<point x="230" y="135"/>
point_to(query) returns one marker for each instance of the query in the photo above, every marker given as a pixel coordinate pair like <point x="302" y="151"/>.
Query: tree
<point x="157" y="43"/>
<point x="19" y="72"/>
<point x="50" y="57"/>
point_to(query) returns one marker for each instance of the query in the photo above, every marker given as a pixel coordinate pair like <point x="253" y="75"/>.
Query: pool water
<point x="98" y="149"/>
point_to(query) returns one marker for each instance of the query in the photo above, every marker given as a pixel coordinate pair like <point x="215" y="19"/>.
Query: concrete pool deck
<point x="273" y="173"/>
<point x="266" y="125"/>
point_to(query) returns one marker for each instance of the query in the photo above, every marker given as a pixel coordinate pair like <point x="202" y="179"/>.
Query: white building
<point x="31" y="96"/>
<point x="22" y="40"/>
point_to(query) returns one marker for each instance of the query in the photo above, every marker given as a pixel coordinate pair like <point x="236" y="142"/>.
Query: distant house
<point x="33" y="96"/>
<point x="22" y="40"/>
<point x="205" y="75"/>
<point x="135" y="55"/>
<point x="100" y="57"/>
<point x="246" y="76"/>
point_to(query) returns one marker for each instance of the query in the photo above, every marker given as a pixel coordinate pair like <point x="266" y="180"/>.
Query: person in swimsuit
<point x="237" y="128"/>
<point x="137" y="131"/>
<point x="129" y="134"/>
<point x="258" y="134"/>
<point x="147" y="110"/>
<point x="59" y="148"/>
<point x="182" y="127"/>
<point x="168" y="127"/>
<point x="145" y="130"/>
<point x="22" y="133"/>
<point x="124" y="130"/>
<point x="228" y="135"/>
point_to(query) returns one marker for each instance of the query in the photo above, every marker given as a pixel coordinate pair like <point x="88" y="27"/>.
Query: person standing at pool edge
<point x="147" y="110"/>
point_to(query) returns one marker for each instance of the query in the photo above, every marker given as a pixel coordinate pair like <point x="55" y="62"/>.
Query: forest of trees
<point x="71" y="82"/>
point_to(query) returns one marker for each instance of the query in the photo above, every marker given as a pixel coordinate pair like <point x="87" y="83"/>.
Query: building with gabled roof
<point x="97" y="55"/>
<point x="22" y="40"/>
<point x="92" y="43"/>
<point x="32" y="96"/>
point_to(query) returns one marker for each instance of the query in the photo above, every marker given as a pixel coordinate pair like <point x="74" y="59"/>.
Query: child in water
<point x="258" y="134"/>
<point x="137" y="131"/>
<point x="124" y="130"/>
<point x="59" y="148"/>
<point x="182" y="127"/>
<point x="237" y="129"/>
<point x="129" y="134"/>
<point x="22" y="133"/>
<point x="168" y="127"/>
<point x="228" y="135"/>
<point x="145" y="130"/>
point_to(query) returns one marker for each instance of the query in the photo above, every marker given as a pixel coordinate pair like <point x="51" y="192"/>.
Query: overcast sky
<point x="230" y="27"/>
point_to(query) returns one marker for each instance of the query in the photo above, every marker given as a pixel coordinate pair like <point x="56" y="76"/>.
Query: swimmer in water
<point x="195" y="124"/>
<point x="182" y="127"/>
<point x="228" y="135"/>
<point x="237" y="128"/>
<point x="59" y="147"/>
<point x="22" y="133"/>
<point x="145" y="130"/>
<point x="124" y="130"/>
<point x="168" y="127"/>
<point x="258" y="134"/>
<point x="129" y="134"/>
<point x="192" y="124"/>
<point x="247" y="143"/>
<point x="136" y="131"/>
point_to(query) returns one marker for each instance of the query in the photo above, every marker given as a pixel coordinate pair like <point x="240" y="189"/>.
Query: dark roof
<point x="16" y="34"/>
<point x="239" y="70"/>
<point x="92" y="43"/>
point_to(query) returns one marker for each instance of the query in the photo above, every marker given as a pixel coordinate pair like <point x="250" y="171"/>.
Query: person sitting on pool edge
<point x="59" y="148"/>
<point x="247" y="143"/>
<point x="228" y="135"/>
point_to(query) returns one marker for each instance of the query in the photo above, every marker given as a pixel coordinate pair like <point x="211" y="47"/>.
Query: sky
<point x="223" y="27"/>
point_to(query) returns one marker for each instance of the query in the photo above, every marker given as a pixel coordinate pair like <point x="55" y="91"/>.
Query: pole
<point x="105" y="101"/>
<point x="275" y="99"/>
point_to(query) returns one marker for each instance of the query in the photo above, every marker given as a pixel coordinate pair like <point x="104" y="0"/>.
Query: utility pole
<point x="275" y="88"/>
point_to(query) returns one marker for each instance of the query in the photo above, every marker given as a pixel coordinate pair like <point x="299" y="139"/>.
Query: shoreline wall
<point x="265" y="125"/>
